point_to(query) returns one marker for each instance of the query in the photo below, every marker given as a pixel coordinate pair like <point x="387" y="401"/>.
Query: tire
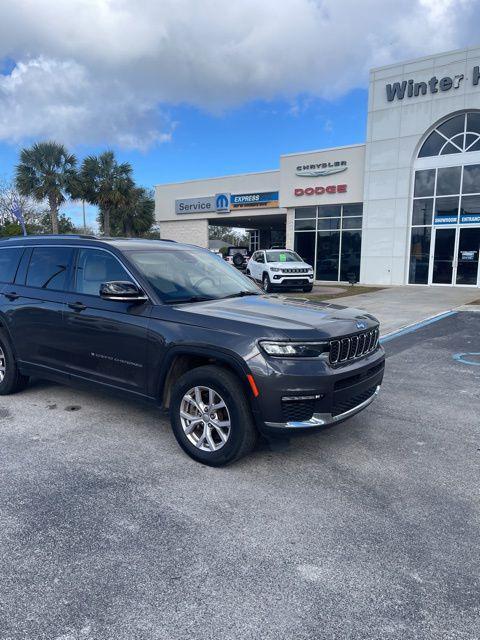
<point x="238" y="439"/>
<point x="238" y="260"/>
<point x="11" y="380"/>
<point x="308" y="288"/>
<point x="266" y="284"/>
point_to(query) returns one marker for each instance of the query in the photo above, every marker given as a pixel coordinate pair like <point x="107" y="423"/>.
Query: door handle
<point x="77" y="306"/>
<point x="12" y="295"/>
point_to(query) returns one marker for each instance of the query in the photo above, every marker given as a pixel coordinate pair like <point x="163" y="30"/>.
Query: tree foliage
<point x="46" y="172"/>
<point x="107" y="184"/>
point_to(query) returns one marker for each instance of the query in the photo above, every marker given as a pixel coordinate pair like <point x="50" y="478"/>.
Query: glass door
<point x="443" y="256"/>
<point x="468" y="256"/>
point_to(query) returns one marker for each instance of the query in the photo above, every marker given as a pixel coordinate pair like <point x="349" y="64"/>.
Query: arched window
<point x="456" y="135"/>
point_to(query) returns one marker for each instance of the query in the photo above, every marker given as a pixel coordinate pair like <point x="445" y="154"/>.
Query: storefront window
<point x="335" y="250"/>
<point x="446" y="210"/>
<point x="448" y="181"/>
<point x="305" y="225"/>
<point x="420" y="255"/>
<point x="305" y="247"/>
<point x="424" y="183"/>
<point x="471" y="179"/>
<point x="350" y="255"/>
<point x="422" y="211"/>
<point x="328" y="252"/>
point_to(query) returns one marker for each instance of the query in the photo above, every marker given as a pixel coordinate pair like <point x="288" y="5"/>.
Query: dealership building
<point x="403" y="208"/>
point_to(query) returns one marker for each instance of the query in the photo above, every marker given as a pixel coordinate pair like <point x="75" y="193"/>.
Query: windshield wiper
<point x="241" y="294"/>
<point x="191" y="299"/>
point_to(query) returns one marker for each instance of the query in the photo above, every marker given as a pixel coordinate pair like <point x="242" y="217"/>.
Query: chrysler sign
<point x="321" y="169"/>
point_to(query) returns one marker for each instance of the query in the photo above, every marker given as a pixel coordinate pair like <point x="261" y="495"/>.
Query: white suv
<point x="280" y="268"/>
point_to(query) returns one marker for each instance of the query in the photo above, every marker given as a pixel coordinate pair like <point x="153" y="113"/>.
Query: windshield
<point x="283" y="256"/>
<point x="188" y="276"/>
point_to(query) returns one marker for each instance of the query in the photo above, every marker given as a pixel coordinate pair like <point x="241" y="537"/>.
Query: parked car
<point x="238" y="257"/>
<point x="280" y="268"/>
<point x="173" y="325"/>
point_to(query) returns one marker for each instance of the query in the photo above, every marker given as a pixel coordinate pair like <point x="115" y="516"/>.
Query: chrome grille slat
<point x="352" y="347"/>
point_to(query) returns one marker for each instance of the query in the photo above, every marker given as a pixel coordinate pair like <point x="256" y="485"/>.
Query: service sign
<point x="219" y="203"/>
<point x="255" y="200"/>
<point x="195" y="205"/>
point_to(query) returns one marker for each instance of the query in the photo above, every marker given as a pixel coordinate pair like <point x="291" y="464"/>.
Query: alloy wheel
<point x="2" y="365"/>
<point x="205" y="418"/>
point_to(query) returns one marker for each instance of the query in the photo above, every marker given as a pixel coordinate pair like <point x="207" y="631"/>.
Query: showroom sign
<point x="321" y="169"/>
<point x="410" y="88"/>
<point x="320" y="191"/>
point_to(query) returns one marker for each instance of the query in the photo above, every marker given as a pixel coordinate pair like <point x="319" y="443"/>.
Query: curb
<point x="417" y="325"/>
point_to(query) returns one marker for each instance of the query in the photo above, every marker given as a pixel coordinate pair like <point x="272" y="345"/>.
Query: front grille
<point x="341" y="406"/>
<point x="352" y="347"/>
<point x="294" y="270"/>
<point x="297" y="410"/>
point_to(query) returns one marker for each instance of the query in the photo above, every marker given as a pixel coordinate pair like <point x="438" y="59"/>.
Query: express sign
<point x="319" y="191"/>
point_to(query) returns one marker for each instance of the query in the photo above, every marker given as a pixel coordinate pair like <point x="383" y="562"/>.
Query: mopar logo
<point x="222" y="202"/>
<point x="361" y="325"/>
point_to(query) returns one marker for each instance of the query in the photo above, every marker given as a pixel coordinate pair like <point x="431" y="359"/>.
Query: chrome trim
<point x="323" y="419"/>
<point x="78" y="246"/>
<point x="354" y="347"/>
<point x="290" y="398"/>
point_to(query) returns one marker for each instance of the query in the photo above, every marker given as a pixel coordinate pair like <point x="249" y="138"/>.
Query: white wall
<point x="394" y="131"/>
<point x="190" y="232"/>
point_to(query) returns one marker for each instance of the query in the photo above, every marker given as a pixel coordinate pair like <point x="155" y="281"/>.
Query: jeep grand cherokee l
<point x="171" y="324"/>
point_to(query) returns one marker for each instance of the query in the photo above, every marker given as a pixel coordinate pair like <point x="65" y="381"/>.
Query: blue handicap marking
<point x="468" y="358"/>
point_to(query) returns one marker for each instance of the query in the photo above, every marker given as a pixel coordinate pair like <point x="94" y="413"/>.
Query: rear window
<point x="9" y="261"/>
<point x="48" y="267"/>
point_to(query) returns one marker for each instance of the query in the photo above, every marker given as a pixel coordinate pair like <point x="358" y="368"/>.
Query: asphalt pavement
<point x="366" y="530"/>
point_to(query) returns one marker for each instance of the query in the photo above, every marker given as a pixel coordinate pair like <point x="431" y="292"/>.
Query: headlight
<point x="274" y="269"/>
<point x="294" y="349"/>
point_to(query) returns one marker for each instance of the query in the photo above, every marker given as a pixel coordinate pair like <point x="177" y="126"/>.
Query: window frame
<point x="68" y="272"/>
<point x="91" y="295"/>
<point x="22" y="253"/>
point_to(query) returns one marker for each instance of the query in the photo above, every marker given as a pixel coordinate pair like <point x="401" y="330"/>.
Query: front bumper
<point x="324" y="419"/>
<point x="299" y="394"/>
<point x="291" y="281"/>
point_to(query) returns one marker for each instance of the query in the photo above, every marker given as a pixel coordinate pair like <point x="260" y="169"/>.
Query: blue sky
<point x="187" y="90"/>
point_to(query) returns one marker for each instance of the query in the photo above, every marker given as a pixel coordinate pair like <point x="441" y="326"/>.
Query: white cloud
<point x="107" y="70"/>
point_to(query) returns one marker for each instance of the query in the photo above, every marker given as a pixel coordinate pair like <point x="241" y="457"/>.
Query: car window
<point x="283" y="256"/>
<point x="261" y="258"/>
<point x="95" y="267"/>
<point x="9" y="260"/>
<point x="48" y="267"/>
<point x="180" y="274"/>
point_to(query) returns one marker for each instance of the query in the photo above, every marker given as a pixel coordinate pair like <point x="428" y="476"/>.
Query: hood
<point x="290" y="265"/>
<point x="278" y="316"/>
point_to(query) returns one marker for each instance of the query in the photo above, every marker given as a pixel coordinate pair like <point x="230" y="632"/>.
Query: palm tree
<point x="107" y="184"/>
<point x="136" y="216"/>
<point x="45" y="173"/>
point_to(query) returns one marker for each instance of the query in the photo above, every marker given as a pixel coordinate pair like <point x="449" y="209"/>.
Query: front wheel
<point x="11" y="380"/>
<point x="267" y="285"/>
<point x="308" y="288"/>
<point x="211" y="417"/>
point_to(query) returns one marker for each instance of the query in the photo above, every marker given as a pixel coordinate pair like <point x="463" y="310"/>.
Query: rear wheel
<point x="210" y="416"/>
<point x="11" y="380"/>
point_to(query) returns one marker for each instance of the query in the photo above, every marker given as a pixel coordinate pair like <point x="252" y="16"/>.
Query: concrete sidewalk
<point x="398" y="307"/>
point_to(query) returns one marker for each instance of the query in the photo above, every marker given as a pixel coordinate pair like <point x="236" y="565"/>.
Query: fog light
<point x="277" y="277"/>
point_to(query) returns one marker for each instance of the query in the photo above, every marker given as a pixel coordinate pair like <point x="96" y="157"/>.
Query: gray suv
<point x="173" y="325"/>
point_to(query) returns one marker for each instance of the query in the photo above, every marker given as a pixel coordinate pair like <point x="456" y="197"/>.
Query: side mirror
<point x="123" y="291"/>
